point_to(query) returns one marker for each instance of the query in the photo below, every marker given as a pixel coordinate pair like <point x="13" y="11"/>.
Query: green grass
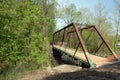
<point x="10" y="74"/>
<point x="15" y="73"/>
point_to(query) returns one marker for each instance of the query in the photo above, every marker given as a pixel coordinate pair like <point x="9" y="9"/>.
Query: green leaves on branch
<point x="23" y="25"/>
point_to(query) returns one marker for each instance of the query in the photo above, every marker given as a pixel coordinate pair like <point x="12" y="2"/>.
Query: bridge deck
<point x="98" y="61"/>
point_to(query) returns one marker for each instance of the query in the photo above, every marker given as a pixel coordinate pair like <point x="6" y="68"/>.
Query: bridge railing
<point x="76" y="37"/>
<point x="63" y="37"/>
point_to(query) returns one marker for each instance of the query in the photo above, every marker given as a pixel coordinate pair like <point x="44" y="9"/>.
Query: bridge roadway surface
<point x="97" y="61"/>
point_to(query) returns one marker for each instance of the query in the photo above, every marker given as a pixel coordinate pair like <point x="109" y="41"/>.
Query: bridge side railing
<point x="73" y="27"/>
<point x="62" y="37"/>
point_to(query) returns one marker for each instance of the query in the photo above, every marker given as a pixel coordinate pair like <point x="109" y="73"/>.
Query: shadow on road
<point x="109" y="72"/>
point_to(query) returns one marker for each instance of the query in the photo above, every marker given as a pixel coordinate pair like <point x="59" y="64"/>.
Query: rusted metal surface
<point x="82" y="43"/>
<point x="64" y="28"/>
<point x="63" y="36"/>
<point x="106" y="43"/>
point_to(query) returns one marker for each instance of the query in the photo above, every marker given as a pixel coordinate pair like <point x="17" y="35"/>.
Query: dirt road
<point x="108" y="72"/>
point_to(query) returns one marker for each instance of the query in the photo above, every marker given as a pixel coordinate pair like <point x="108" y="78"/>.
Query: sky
<point x="90" y="4"/>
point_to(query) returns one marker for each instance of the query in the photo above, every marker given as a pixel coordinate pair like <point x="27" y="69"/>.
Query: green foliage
<point x="94" y="43"/>
<point x="25" y="32"/>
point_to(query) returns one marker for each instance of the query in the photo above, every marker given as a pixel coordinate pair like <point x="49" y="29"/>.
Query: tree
<point x="69" y="14"/>
<point x="116" y="20"/>
<point x="49" y="10"/>
<point x="86" y="16"/>
<point x="101" y="19"/>
<point x="24" y="33"/>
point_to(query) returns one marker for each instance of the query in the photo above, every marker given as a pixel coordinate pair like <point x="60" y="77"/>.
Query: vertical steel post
<point x="63" y="37"/>
<point x="83" y="46"/>
<point x="53" y="39"/>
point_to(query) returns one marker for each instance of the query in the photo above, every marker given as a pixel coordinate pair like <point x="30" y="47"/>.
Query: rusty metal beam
<point x="83" y="45"/>
<point x="68" y="41"/>
<point x="99" y="47"/>
<point x="106" y="43"/>
<point x="53" y="40"/>
<point x="64" y="28"/>
<point x="88" y="27"/>
<point x="76" y="49"/>
<point x="81" y="29"/>
<point x="63" y="37"/>
<point x="79" y="35"/>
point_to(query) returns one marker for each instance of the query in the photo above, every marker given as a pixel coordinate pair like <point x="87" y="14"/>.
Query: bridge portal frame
<point x="81" y="42"/>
